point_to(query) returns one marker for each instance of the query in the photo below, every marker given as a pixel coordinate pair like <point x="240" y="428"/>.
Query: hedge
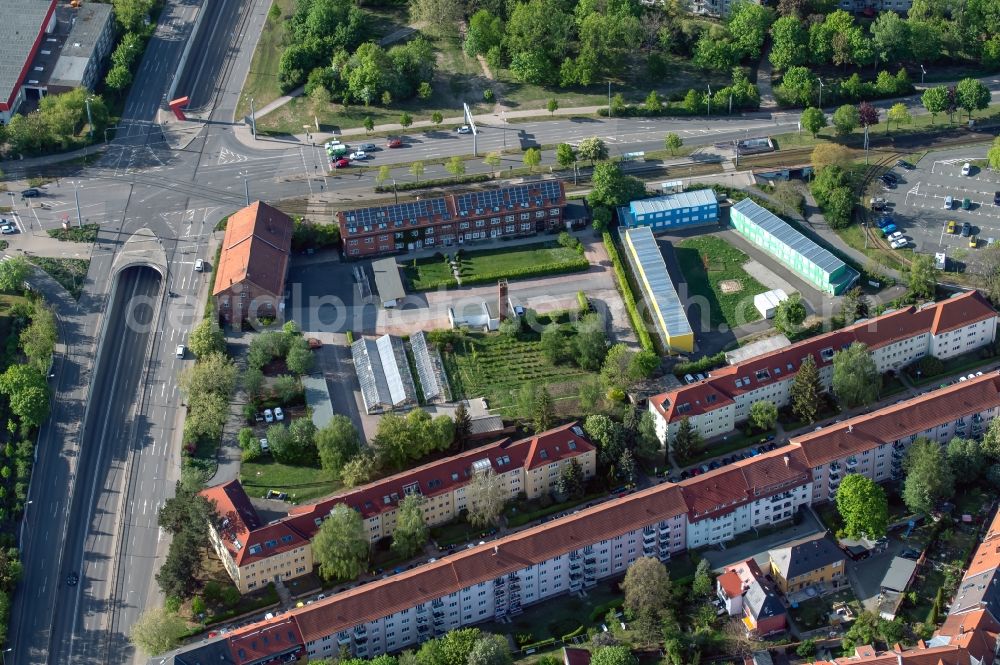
<point x="573" y="265"/>
<point x="568" y="636"/>
<point x="439" y="182"/>
<point x="540" y="644"/>
<point x="600" y="611"/>
<point x="624" y="286"/>
<point x="700" y="365"/>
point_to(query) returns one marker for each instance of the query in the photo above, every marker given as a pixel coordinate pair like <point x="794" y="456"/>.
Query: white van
<point x="948" y="202"/>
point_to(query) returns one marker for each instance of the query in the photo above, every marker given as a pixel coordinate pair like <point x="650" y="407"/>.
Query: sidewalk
<point x="12" y="167"/>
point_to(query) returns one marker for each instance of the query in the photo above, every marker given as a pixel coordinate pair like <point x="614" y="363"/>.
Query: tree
<point x="935" y="100"/>
<point x="615" y="655"/>
<point x="537" y="38"/>
<point x="455" y="166"/>
<point x="928" y="476"/>
<point x="337" y="442"/>
<point x="830" y="154"/>
<point x="591" y="342"/>
<point x="647" y="588"/>
<point x="922" y="280"/>
<point x="417" y="169"/>
<point x="27" y="392"/>
<point x="701" y="587"/>
<point x="369" y="124"/>
<point x="748" y="23"/>
<point x="863" y="506"/>
<point x="570" y="481"/>
<point x="693" y="101"/>
<point x="853" y="306"/>
<point x="813" y="120"/>
<point x="489" y="650"/>
<point x="411" y="531"/>
<point x="384" y="173"/>
<point x="608" y="435"/>
<point x="856" y="381"/>
<point x="593" y="149"/>
<point x="207" y="337"/>
<point x="972" y="95"/>
<point x="340" y="547"/>
<point x="492" y="160"/>
<point x="359" y="470"/>
<point x="845" y="119"/>
<point x="673" y="143"/>
<point x="13" y="272"/>
<point x="485" y="32"/>
<point x="532" y="158"/>
<point x="565" y="155"/>
<point x="463" y="426"/>
<point x="487" y="496"/>
<point x="790" y="314"/>
<point x="799" y="85"/>
<point x="789" y="43"/>
<point x="552" y="106"/>
<point x="867" y="114"/>
<point x="763" y="414"/>
<point x="214" y="373"/>
<point x="687" y="441"/>
<point x="966" y="459"/>
<point x="544" y="411"/>
<point x="611" y="187"/>
<point x="899" y="114"/>
<point x="405" y="119"/>
<point x="299" y="358"/>
<point x="890" y="34"/>
<point x="437" y="118"/>
<point x="806" y="648"/>
<point x="715" y="53"/>
<point x="993" y="155"/>
<point x="157" y="631"/>
<point x="616" y="368"/>
<point x="439" y="17"/>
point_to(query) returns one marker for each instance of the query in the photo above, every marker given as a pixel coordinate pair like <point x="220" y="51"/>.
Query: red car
<point x="394" y="142"/>
<point x="341" y="163"/>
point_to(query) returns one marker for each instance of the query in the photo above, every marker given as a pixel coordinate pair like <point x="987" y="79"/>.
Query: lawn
<point x="70" y="273"/>
<point x="302" y="483"/>
<point x="707" y="262"/>
<point x="495" y="366"/>
<point x="487" y="266"/>
<point x="262" y="79"/>
<point x="85" y="233"/>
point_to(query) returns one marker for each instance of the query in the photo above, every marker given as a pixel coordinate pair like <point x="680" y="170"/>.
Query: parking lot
<point x="917" y="205"/>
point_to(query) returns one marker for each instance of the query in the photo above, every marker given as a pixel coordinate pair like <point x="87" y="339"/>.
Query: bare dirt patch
<point x="730" y="286"/>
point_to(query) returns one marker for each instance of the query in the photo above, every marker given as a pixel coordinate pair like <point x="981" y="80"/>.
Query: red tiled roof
<point x="721" y="387"/>
<point x="576" y="656"/>
<point x="974" y="631"/>
<point x="870" y="430"/>
<point x="715" y="492"/>
<point x="731" y="583"/>
<point x="255" y="249"/>
<point x="266" y="638"/>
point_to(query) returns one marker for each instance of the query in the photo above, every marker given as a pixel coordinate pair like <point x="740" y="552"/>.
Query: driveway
<point x="866" y="575"/>
<point x="758" y="548"/>
<point x="333" y="359"/>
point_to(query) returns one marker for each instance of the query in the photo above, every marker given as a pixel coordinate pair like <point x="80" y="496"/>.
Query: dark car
<point x="714" y="465"/>
<point x="685" y="475"/>
<point x="31" y="192"/>
<point x="771" y="446"/>
<point x="902" y="163"/>
<point x="966" y="229"/>
<point x="910" y="553"/>
<point x="770" y="437"/>
<point x="996" y="199"/>
<point x="72" y="579"/>
<point x="889" y="177"/>
<point x="884" y="221"/>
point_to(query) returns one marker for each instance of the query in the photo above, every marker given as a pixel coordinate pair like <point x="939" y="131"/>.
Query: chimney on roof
<point x="850" y="428"/>
<point x="961" y="629"/>
<point x="787" y="460"/>
<point x="496" y="550"/>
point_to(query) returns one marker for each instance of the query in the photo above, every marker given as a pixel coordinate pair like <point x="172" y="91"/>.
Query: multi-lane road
<point x="108" y="459"/>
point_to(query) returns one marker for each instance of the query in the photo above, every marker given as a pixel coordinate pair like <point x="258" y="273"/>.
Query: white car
<point x="966" y="168"/>
<point x="899" y="243"/>
<point x="278" y="413"/>
<point x="464" y="129"/>
<point x="6" y="228"/>
<point x="894" y="235"/>
<point x="268" y="416"/>
<point x="359" y="156"/>
<point x="179" y="351"/>
<point x="263" y="445"/>
<point x="199" y="265"/>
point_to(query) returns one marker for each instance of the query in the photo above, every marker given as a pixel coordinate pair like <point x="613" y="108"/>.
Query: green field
<point x="262" y="80"/>
<point x="515" y="262"/>
<point x="707" y="262"/>
<point x="301" y="482"/>
<point x="495" y="366"/>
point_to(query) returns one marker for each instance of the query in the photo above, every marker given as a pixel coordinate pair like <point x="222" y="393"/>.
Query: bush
<point x="703" y="364"/>
<point x="439" y="182"/>
<point x="600" y="611"/>
<point x="625" y="287"/>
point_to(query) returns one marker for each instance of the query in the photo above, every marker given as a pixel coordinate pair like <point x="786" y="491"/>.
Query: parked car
<point x="902" y="163"/>
<point x="973" y="242"/>
<point x="966" y="229"/>
<point x="31" y="192"/>
<point x="341" y="163"/>
<point x="358" y="156"/>
<point x="393" y="142"/>
<point x="699" y="376"/>
<point x="179" y="351"/>
<point x="714" y="464"/>
<point x="895" y="234"/>
<point x="199" y="265"/>
<point x="889" y="177"/>
<point x="883" y="221"/>
<point x="278" y="413"/>
<point x="367" y="147"/>
<point x="899" y="243"/>
<point x="966" y="168"/>
<point x="877" y="203"/>
<point x="996" y="198"/>
<point x="966" y="203"/>
<point x="268" y="416"/>
<point x="951" y="226"/>
<point x="888" y="229"/>
<point x="264" y="446"/>
<point x="948" y="202"/>
<point x="7" y="228"/>
<point x="689" y="378"/>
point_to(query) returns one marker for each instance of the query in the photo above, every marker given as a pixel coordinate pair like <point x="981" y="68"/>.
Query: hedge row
<point x="540" y="644"/>
<point x="626" y="290"/>
<point x="574" y="265"/>
<point x="700" y="365"/>
<point x="439" y="182"/>
<point x="600" y="611"/>
<point x="568" y="636"/>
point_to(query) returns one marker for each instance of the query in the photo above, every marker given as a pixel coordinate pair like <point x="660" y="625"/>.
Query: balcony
<point x="343" y="639"/>
<point x="360" y="631"/>
<point x="852" y="462"/>
<point x="423" y="628"/>
<point x="664" y="530"/>
<point x="438" y="621"/>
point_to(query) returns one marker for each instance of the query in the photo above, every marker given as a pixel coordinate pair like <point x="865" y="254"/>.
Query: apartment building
<point x="716" y="405"/>
<point x="453" y="220"/>
<point x="255" y="554"/>
<point x="497" y="579"/>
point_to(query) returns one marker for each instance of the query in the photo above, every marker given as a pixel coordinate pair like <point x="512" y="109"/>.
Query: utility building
<point x="679" y="210"/>
<point x="664" y="303"/>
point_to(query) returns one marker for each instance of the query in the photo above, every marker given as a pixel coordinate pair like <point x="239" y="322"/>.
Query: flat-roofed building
<point x="659" y="291"/>
<point x="23" y="28"/>
<point x="87" y="45"/>
<point x="674" y="211"/>
<point x="384" y="373"/>
<point x="817" y="265"/>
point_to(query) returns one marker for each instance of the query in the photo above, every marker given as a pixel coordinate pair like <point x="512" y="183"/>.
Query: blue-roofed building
<point x="816" y="265"/>
<point x="675" y="211"/>
<point x="661" y="295"/>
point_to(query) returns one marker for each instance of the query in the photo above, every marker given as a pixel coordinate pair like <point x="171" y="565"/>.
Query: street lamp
<point x="90" y="118"/>
<point x="820" y="92"/>
<point x="709" y="99"/>
<point x="253" y="120"/>
<point x="923" y="73"/>
<point x="4" y="653"/>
